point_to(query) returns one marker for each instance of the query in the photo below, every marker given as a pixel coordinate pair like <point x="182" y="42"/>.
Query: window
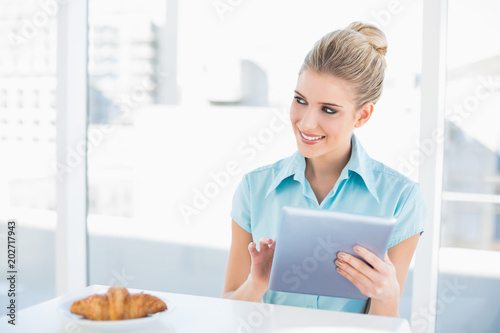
<point x="27" y="174"/>
<point x="471" y="197"/>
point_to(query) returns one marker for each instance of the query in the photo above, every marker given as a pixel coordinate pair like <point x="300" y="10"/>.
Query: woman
<point x="339" y="83"/>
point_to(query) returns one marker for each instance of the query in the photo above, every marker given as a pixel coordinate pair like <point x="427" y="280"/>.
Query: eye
<point x="329" y="111"/>
<point x="300" y="100"/>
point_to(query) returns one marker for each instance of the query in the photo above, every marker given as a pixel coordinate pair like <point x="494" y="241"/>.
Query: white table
<point x="207" y="314"/>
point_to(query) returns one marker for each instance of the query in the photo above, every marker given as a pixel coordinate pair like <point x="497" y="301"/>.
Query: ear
<point x="363" y="114"/>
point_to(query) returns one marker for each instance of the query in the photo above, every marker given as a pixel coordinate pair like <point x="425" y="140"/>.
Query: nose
<point x="309" y="120"/>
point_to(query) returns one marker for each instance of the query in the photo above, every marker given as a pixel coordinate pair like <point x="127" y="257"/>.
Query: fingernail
<point x="268" y="239"/>
<point x="341" y="255"/>
<point x="358" y="248"/>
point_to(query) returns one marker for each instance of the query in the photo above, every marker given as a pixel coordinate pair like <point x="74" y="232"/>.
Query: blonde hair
<point x="355" y="54"/>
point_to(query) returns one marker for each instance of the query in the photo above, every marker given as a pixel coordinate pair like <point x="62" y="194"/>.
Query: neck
<point x="330" y="165"/>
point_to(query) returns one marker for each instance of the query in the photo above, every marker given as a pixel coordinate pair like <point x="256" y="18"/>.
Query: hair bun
<point x="373" y="35"/>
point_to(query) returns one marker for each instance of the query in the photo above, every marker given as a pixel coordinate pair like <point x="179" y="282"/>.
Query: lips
<point x="310" y="138"/>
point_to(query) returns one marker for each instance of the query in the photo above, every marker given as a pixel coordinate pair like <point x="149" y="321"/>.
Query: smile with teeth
<point x="310" y="138"/>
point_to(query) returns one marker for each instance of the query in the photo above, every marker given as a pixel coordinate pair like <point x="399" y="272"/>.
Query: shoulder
<point x="260" y="180"/>
<point x="384" y="172"/>
<point x="394" y="185"/>
<point x="402" y="198"/>
<point x="379" y="177"/>
<point x="269" y="170"/>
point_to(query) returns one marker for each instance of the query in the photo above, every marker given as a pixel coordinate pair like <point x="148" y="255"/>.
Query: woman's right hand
<point x="262" y="261"/>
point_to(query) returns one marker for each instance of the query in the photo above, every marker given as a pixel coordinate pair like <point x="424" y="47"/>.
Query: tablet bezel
<point x="305" y="233"/>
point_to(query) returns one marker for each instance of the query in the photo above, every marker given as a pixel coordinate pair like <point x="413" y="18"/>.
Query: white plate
<point x="113" y="325"/>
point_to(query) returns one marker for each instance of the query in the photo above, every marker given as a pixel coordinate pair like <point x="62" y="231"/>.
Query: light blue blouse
<point x="365" y="186"/>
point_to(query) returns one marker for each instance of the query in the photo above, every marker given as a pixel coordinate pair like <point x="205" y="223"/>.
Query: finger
<point x="361" y="287"/>
<point x="252" y="248"/>
<point x="357" y="264"/>
<point x="387" y="259"/>
<point x="370" y="257"/>
<point x="361" y="278"/>
<point x="272" y="247"/>
<point x="265" y="242"/>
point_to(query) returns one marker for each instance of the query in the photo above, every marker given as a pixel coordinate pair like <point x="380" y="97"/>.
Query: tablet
<point x="307" y="244"/>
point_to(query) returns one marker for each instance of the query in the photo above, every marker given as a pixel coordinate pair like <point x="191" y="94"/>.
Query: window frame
<point x="432" y="122"/>
<point x="71" y="124"/>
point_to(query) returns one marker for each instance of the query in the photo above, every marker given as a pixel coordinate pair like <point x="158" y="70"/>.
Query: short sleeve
<point x="410" y="216"/>
<point x="240" y="211"/>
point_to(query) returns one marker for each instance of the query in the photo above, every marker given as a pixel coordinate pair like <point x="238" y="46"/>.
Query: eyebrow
<point x="332" y="104"/>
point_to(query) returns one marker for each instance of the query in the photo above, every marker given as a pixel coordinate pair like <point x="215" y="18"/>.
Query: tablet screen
<point x="307" y="244"/>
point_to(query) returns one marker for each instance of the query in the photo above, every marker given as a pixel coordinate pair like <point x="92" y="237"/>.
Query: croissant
<point x="117" y="304"/>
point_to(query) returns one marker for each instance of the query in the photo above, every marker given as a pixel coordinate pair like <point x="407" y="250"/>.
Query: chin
<point x="307" y="151"/>
<point x="309" y="154"/>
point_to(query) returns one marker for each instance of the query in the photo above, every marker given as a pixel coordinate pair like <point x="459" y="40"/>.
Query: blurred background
<point x="187" y="96"/>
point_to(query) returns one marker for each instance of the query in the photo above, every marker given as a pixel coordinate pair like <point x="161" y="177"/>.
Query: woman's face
<point x="323" y="115"/>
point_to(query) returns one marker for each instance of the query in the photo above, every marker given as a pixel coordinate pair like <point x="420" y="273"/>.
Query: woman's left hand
<point x="378" y="283"/>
